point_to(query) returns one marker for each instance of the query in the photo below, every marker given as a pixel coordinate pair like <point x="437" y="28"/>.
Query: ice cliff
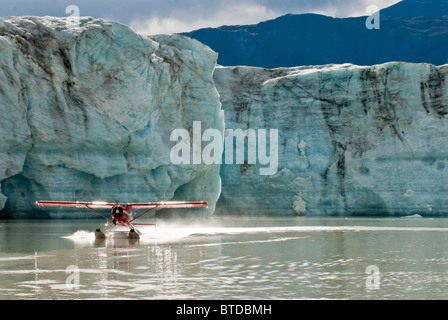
<point x="87" y="110"/>
<point x="352" y="140"/>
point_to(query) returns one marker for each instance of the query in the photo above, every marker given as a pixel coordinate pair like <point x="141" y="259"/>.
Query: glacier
<point x="353" y="140"/>
<point x="87" y="111"/>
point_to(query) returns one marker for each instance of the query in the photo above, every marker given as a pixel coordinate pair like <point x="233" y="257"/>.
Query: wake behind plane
<point x="121" y="213"/>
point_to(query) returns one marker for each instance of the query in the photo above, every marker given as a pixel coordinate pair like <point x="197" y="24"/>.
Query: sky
<point x="174" y="16"/>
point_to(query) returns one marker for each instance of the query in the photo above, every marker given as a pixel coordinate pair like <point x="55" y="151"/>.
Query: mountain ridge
<point x="410" y="31"/>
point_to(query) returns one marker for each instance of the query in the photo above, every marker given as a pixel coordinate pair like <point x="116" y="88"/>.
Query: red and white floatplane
<point x="121" y="213"/>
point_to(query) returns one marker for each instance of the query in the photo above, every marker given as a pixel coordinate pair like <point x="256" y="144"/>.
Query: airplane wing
<point x="77" y="204"/>
<point x="105" y="205"/>
<point x="136" y="206"/>
<point x="165" y="205"/>
<point x="168" y="204"/>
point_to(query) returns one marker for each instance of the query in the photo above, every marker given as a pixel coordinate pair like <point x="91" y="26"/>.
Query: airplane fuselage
<point x="121" y="216"/>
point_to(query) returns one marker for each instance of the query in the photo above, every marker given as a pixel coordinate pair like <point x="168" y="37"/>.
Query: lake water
<point x="228" y="258"/>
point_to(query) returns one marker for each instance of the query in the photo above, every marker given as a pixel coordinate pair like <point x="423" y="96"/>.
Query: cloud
<point x="184" y="21"/>
<point x="172" y="16"/>
<point x="350" y="8"/>
<point x="184" y="16"/>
